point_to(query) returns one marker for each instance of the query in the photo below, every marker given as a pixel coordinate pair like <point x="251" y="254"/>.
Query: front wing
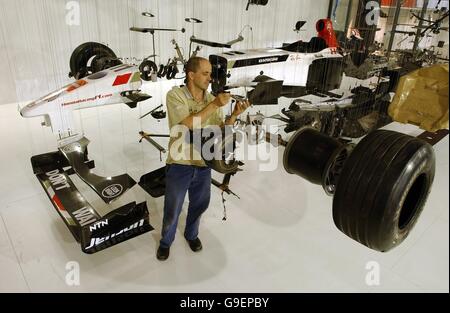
<point x="93" y="232"/>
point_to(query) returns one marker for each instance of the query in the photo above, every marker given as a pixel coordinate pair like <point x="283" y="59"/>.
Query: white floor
<point x="279" y="237"/>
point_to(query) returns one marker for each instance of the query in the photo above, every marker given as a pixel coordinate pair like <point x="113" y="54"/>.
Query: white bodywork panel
<point x="290" y="67"/>
<point x="98" y="89"/>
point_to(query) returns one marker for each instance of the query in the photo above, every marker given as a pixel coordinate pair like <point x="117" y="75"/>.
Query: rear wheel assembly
<point x="380" y="186"/>
<point x="382" y="189"/>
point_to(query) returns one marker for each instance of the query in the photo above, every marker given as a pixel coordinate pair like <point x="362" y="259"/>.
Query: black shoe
<point x="163" y="253"/>
<point x="195" y="244"/>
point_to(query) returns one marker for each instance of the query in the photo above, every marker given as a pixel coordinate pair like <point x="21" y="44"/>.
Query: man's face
<point x="202" y="77"/>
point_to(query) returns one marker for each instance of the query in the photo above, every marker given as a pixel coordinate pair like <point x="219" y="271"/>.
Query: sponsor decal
<point x="57" y="180"/>
<point x="54" y="198"/>
<point x="268" y="60"/>
<point x="112" y="191"/>
<point x="96" y="241"/>
<point x="98" y="225"/>
<point x="97" y="97"/>
<point x="57" y="202"/>
<point x="262" y="60"/>
<point x="84" y="216"/>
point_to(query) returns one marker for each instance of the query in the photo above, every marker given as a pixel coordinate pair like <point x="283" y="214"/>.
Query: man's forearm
<point x="202" y="115"/>
<point x="230" y="120"/>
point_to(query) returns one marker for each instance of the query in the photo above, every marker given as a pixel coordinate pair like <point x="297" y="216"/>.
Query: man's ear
<point x="190" y="75"/>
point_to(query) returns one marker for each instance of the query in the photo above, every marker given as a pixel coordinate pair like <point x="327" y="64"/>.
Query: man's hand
<point x="240" y="107"/>
<point x="222" y="99"/>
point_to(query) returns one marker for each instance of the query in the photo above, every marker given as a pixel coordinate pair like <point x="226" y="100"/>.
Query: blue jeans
<point x="179" y="180"/>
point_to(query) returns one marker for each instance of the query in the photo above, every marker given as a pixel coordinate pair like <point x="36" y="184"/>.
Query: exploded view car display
<point x="380" y="185"/>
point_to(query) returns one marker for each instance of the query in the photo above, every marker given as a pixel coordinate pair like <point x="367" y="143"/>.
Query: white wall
<point x="36" y="42"/>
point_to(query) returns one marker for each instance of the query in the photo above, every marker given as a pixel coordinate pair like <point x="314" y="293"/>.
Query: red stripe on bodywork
<point x="121" y="79"/>
<point x="58" y="203"/>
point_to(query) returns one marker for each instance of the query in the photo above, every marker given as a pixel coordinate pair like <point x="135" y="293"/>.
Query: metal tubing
<point x="419" y="27"/>
<point x="394" y="27"/>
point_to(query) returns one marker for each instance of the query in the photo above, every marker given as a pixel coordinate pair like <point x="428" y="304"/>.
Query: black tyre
<point x="173" y="72"/>
<point x="382" y="188"/>
<point x="80" y="57"/>
<point x="164" y="71"/>
<point x="147" y="68"/>
<point x="160" y="71"/>
<point x="169" y="72"/>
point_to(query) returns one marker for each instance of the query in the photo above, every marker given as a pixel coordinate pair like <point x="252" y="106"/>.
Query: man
<point x="185" y="170"/>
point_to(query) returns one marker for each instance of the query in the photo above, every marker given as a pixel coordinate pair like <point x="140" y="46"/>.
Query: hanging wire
<point x="96" y="18"/>
<point x="224" y="218"/>
<point x="52" y="52"/>
<point x="140" y="121"/>
<point x="122" y="107"/>
<point x="7" y="50"/>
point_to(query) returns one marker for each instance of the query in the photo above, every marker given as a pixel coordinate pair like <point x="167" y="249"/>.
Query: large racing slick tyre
<point x="101" y="57"/>
<point x="382" y="188"/>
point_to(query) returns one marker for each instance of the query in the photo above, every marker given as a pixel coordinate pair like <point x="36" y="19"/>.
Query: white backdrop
<point x="278" y="214"/>
<point x="36" y="42"/>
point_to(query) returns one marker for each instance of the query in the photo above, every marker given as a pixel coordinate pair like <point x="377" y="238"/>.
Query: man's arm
<point x="221" y="100"/>
<point x="231" y="119"/>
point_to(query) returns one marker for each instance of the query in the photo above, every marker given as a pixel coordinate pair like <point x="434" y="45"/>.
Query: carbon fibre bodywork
<point x="93" y="231"/>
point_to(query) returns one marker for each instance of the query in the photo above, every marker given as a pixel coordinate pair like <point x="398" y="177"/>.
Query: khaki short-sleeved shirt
<point x="180" y="104"/>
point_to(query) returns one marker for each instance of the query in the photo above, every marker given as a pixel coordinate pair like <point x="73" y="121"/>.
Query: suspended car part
<point x="333" y="168"/>
<point x="163" y="69"/>
<point x="256" y="2"/>
<point x="310" y="154"/>
<point x="159" y="115"/>
<point x="148" y="14"/>
<point x="101" y="62"/>
<point x="172" y="71"/>
<point x="160" y="71"/>
<point x="221" y="160"/>
<point x="147" y="68"/>
<point x="100" y="56"/>
<point x="156" y="113"/>
<point x="193" y="20"/>
<point x="299" y="25"/>
<point x="168" y="71"/>
<point x="382" y="189"/>
<point x="93" y="231"/>
<point x="379" y="187"/>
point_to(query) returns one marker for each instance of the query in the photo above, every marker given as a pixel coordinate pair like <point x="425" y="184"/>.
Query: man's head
<point x="198" y="72"/>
